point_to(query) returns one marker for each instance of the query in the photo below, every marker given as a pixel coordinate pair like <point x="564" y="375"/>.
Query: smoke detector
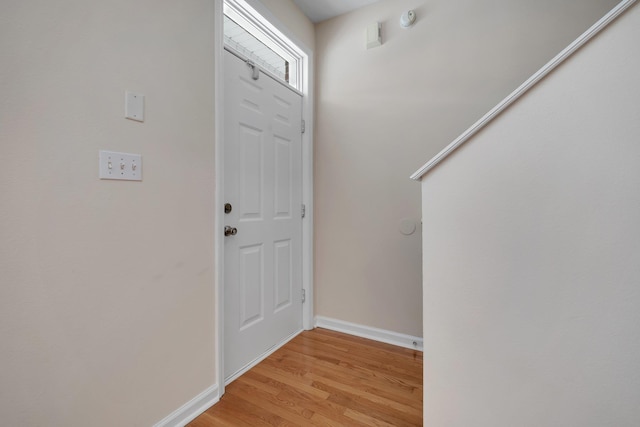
<point x="407" y="19"/>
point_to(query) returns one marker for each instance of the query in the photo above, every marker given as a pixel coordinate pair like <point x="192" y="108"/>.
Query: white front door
<point x="263" y="186"/>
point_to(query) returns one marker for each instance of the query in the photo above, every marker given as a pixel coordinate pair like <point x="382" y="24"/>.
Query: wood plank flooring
<point x="325" y="378"/>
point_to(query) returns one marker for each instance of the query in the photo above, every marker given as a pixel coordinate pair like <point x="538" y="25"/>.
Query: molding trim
<point x="524" y="88"/>
<point x="381" y="335"/>
<point x="190" y="410"/>
<point x="218" y="217"/>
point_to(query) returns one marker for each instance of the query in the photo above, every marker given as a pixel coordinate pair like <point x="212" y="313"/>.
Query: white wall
<point x="106" y="287"/>
<point x="382" y="112"/>
<point x="290" y="15"/>
<point x="532" y="250"/>
<point x="106" y="295"/>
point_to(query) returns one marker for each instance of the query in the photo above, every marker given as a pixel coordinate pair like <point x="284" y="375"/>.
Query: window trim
<point x="271" y="37"/>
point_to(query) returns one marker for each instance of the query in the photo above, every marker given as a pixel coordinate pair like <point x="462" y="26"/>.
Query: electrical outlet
<point x="123" y="166"/>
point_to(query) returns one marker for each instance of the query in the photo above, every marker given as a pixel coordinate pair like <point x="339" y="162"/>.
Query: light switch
<point x="134" y="106"/>
<point x="123" y="166"/>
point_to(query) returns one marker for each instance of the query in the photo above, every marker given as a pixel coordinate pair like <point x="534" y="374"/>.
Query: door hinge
<point x="304" y="295"/>
<point x="303" y="127"/>
<point x="303" y="211"/>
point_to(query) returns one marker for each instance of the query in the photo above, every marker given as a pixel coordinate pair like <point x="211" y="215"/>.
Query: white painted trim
<point x="218" y="235"/>
<point x="190" y="410"/>
<point x="260" y="358"/>
<point x="307" y="193"/>
<point x="269" y="34"/>
<point x="382" y="335"/>
<point x="524" y="88"/>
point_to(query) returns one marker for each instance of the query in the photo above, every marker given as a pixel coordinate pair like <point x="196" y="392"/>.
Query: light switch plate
<point x="123" y="166"/>
<point x="134" y="106"/>
<point x="374" y="36"/>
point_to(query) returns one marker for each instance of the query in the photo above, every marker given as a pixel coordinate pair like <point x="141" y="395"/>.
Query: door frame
<point x="269" y="23"/>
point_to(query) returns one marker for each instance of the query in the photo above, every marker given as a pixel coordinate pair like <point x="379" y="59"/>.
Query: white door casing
<point x="263" y="184"/>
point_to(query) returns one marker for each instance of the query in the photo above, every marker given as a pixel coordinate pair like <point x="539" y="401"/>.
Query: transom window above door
<point x="243" y="42"/>
<point x="244" y="35"/>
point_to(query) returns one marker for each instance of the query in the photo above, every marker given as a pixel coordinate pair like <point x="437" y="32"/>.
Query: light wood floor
<point x="324" y="378"/>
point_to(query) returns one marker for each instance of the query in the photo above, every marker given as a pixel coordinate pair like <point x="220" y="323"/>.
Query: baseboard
<point x="382" y="335"/>
<point x="190" y="410"/>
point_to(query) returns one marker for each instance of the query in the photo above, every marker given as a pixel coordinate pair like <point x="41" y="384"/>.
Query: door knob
<point x="230" y="231"/>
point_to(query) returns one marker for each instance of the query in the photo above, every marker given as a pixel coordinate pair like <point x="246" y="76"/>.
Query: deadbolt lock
<point x="228" y="208"/>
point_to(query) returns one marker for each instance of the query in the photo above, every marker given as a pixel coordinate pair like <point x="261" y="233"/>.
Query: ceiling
<point x="319" y="10"/>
